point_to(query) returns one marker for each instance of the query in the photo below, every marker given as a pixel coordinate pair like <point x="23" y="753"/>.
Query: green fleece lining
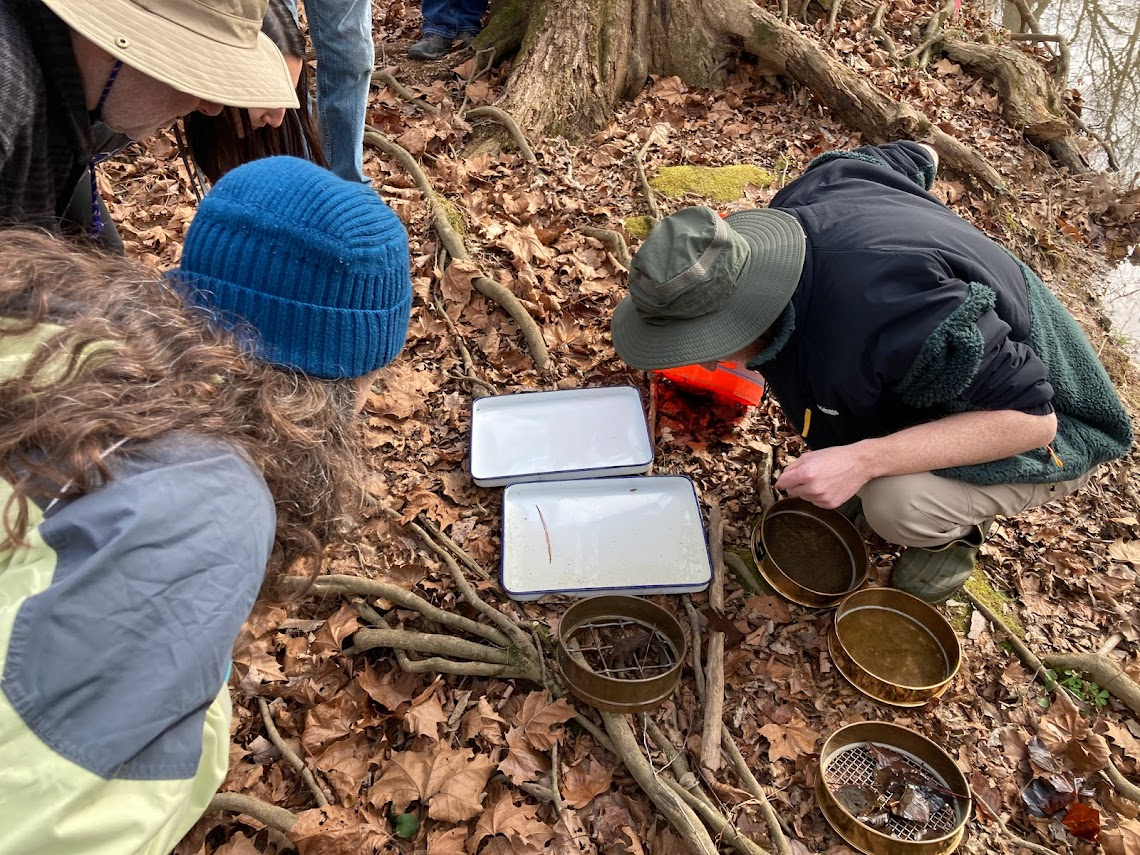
<point x="950" y="357"/>
<point x="1092" y="425"/>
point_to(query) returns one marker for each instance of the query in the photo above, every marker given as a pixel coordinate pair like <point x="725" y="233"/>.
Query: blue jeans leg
<point x="449" y="18"/>
<point x="342" y="38"/>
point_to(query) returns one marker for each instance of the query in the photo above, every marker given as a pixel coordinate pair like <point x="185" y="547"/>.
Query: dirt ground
<point x="450" y="763"/>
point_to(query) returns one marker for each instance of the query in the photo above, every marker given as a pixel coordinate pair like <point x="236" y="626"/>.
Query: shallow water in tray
<point x="893" y="646"/>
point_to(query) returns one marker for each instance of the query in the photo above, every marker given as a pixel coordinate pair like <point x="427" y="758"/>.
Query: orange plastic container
<point x="729" y="381"/>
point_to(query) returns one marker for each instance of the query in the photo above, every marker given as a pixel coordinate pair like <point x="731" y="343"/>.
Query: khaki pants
<point x="925" y="509"/>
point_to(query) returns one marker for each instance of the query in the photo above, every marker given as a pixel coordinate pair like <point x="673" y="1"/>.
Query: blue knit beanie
<point x="317" y="266"/>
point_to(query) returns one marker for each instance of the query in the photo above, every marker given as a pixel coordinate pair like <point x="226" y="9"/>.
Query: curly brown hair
<point x="168" y="370"/>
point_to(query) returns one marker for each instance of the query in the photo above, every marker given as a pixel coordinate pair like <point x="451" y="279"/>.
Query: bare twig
<point x="1109" y="151"/>
<point x="764" y="480"/>
<point x="463" y="555"/>
<point x="504" y="118"/>
<point x="290" y="755"/>
<point x="1015" y="838"/>
<point x="643" y="182"/>
<point x="1061" y="72"/>
<point x="613" y="239"/>
<point x="270" y="815"/>
<point x="385" y="77"/>
<point x="554" y="778"/>
<point x="426" y="642"/>
<point x="714" y="675"/>
<point x="695" y="646"/>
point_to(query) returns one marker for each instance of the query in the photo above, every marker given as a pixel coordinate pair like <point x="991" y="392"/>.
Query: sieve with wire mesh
<point x="812" y="556"/>
<point x="846" y="761"/>
<point x="619" y="653"/>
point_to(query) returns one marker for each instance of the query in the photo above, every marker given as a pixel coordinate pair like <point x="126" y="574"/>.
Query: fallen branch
<point x="272" y="816"/>
<point x="682" y="817"/>
<point x="426" y="642"/>
<point x="290" y="755"/>
<point x="504" y="118"/>
<point x="613" y="239"/>
<point x="455" y="247"/>
<point x="714" y="675"/>
<point x="385" y="77"/>
<point x="695" y="647"/>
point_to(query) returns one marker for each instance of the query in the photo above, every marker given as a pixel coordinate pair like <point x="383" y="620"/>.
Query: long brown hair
<point x="169" y="370"/>
<point x="217" y="144"/>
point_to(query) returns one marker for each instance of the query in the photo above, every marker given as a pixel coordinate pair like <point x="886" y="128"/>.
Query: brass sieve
<point x="811" y="556"/>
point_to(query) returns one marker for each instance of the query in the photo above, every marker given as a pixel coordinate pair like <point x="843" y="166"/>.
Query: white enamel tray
<point x="545" y="436"/>
<point x="640" y="535"/>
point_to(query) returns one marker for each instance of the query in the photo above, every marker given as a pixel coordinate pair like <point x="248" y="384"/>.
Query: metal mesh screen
<point x="808" y="551"/>
<point x="623" y="648"/>
<point x="855" y="767"/>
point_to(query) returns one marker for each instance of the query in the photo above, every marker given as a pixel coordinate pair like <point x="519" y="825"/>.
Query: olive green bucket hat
<point x="702" y="287"/>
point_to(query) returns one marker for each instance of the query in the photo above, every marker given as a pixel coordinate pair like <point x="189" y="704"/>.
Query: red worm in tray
<point x="545" y="531"/>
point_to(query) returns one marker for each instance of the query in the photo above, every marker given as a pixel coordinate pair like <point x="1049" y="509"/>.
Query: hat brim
<point x="777" y="245"/>
<point x="225" y="74"/>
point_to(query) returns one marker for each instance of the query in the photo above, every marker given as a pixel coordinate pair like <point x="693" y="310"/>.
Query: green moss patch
<point x="638" y="227"/>
<point x="718" y="183"/>
<point x="997" y="602"/>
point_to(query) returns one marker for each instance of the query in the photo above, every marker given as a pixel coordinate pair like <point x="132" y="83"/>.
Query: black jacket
<point x="906" y="313"/>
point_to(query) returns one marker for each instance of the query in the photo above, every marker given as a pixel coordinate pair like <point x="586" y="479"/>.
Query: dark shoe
<point x="431" y="46"/>
<point x="934" y="574"/>
<point x="466" y="37"/>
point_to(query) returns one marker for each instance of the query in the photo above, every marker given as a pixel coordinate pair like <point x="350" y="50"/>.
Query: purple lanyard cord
<point x="96" y="218"/>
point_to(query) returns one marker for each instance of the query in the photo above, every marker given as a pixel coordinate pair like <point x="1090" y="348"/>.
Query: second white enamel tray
<point x="641" y="536"/>
<point x="546" y="436"/>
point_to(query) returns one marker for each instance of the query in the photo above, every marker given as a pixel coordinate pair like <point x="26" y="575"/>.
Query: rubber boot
<point x="933" y="574"/>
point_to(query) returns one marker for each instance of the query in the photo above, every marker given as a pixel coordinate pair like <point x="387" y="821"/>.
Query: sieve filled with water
<point x="894" y="647"/>
<point x="811" y="556"/>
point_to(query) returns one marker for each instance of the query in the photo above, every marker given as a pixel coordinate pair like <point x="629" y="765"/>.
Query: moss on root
<point x="638" y="227"/>
<point x="995" y="601"/>
<point x="718" y="183"/>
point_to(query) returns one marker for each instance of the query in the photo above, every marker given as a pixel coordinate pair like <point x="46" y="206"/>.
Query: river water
<point x="1104" y="46"/>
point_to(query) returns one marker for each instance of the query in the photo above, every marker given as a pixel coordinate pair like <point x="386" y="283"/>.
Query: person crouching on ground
<point x="930" y="372"/>
<point x="161" y="446"/>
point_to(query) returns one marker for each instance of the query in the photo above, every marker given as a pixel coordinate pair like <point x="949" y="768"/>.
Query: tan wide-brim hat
<point x="213" y="49"/>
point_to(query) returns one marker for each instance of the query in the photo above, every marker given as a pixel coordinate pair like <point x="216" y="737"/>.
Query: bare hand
<point x="827" y="478"/>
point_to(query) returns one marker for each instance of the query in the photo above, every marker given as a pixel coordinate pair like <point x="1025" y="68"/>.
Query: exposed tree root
<point x="269" y="815"/>
<point x="716" y="821"/>
<point x="881" y="34"/>
<point x="850" y="96"/>
<point x="455" y="247"/>
<point x="385" y="77"/>
<point x="471" y="376"/>
<point x="1030" y="23"/>
<point x="504" y="118"/>
<point x="1030" y="101"/>
<point x="611" y="238"/>
<point x="291" y="755"/>
<point x="1123" y="786"/>
<point x="1102" y="670"/>
<point x="682" y="817"/>
<point x="643" y="182"/>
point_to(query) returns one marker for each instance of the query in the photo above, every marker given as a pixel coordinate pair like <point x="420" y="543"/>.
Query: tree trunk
<point x="579" y="58"/>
